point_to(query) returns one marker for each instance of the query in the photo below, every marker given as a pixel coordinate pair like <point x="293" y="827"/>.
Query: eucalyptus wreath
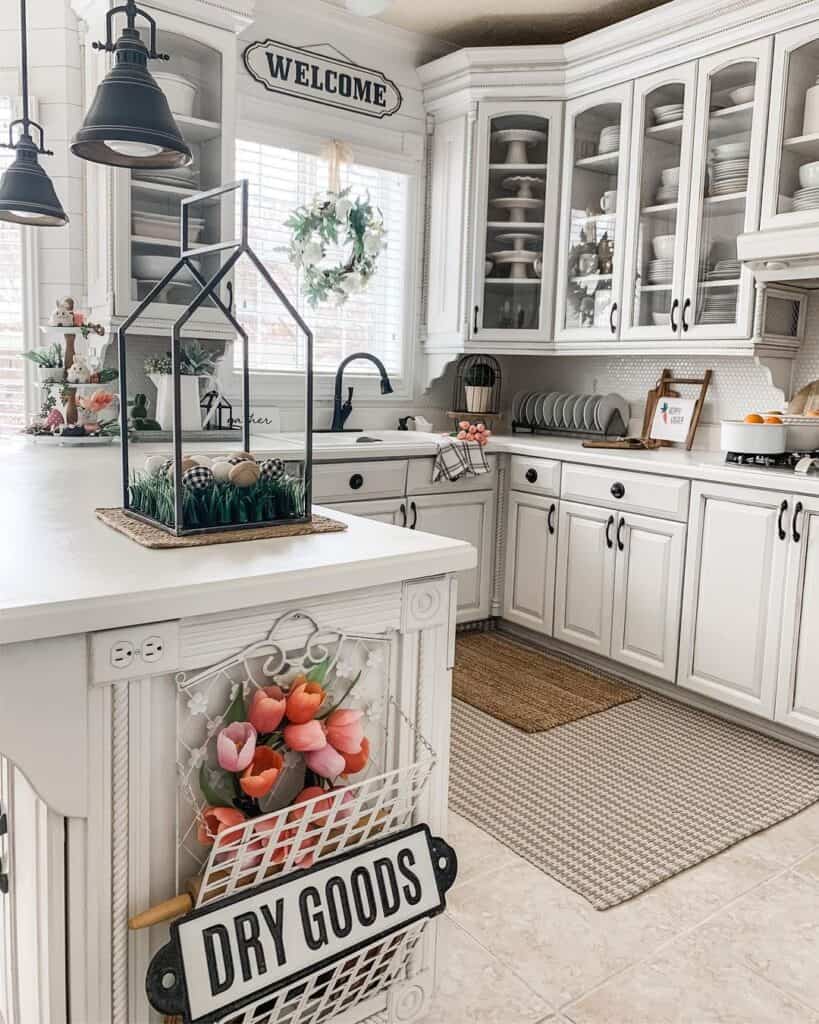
<point x="335" y="219"/>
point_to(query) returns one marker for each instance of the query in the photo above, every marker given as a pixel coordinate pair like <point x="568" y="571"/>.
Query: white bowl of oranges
<point x="757" y="434"/>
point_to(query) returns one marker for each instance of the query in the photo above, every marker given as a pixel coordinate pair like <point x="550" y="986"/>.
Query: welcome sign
<point x="333" y="81"/>
<point x="247" y="946"/>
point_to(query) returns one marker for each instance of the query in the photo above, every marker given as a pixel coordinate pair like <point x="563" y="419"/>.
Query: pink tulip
<point x="267" y="708"/>
<point x="327" y="762"/>
<point x="214" y="821"/>
<point x="235" y="746"/>
<point x="306" y="736"/>
<point x="344" y="730"/>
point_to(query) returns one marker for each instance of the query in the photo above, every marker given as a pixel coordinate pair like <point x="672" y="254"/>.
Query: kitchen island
<point x="104" y="646"/>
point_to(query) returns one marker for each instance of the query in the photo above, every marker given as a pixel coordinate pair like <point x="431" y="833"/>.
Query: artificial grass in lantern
<point x="221" y="504"/>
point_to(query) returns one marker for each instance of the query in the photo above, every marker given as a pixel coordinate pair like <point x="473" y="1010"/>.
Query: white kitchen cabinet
<point x="647" y="594"/>
<point x="738" y="548"/>
<point x="585" y="576"/>
<point x="593" y="216"/>
<point x="468" y="516"/>
<point x="390" y="510"/>
<point x="531" y="556"/>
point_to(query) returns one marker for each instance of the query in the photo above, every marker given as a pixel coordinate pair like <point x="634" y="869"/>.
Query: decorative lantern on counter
<point x="184" y="493"/>
<point x="477" y="390"/>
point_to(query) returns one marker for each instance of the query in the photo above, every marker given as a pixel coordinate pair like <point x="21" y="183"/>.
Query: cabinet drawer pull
<point x="617" y="489"/>
<point x="356" y="481"/>
<point x="531" y="475"/>
<point x="620" y="545"/>
<point x="797" y="536"/>
<point x="686" y="307"/>
<point x="612" y="324"/>
<point x="783" y="508"/>
<point x="475" y="320"/>
<point x="414" y="510"/>
<point x="675" y="305"/>
<point x="550" y="519"/>
<point x="403" y="509"/>
<point x="609" y="524"/>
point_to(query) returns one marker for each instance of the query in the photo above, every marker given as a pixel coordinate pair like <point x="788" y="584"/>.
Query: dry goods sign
<point x="333" y="81"/>
<point x="251" y="944"/>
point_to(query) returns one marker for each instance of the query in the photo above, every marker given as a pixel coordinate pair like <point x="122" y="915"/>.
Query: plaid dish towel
<point x="458" y="458"/>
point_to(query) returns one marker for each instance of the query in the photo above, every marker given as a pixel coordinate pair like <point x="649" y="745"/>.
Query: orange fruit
<point x="773" y="419"/>
<point x="813" y="412"/>
<point x="754" y="417"/>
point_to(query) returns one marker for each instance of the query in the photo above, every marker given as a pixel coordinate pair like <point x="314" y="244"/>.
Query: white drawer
<point x="350" y="481"/>
<point x="537" y="476"/>
<point x="664" y="496"/>
<point x="419" y="478"/>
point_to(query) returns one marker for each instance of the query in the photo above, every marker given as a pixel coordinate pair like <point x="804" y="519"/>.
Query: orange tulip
<point x="267" y="708"/>
<point x="214" y="821"/>
<point x="356" y="762"/>
<point x="261" y="774"/>
<point x="303" y="700"/>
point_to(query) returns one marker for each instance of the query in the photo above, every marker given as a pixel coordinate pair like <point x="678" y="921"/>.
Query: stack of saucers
<point x="660" y="271"/>
<point x="724" y="270"/>
<point x="806" y="198"/>
<point x="609" y="139"/>
<point x="668" y="113"/>
<point x="729" y="169"/>
<point x="719" y="308"/>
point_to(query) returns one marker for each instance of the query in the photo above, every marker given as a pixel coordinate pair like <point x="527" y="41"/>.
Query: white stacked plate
<point x="667" y="194"/>
<point x="660" y="271"/>
<point x="806" y="198"/>
<point x="724" y="270"/>
<point x="556" y="411"/>
<point x="609" y="139"/>
<point x="181" y="177"/>
<point x="728" y="176"/>
<point x="719" y="308"/>
<point x="668" y="113"/>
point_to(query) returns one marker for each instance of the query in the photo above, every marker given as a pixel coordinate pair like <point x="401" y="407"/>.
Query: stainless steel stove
<point x="785" y="460"/>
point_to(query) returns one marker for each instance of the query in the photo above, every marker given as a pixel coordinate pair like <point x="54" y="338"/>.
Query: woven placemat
<point x="152" y="537"/>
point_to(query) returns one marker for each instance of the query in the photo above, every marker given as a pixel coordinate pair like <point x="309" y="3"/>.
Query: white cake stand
<point x="517" y="140"/>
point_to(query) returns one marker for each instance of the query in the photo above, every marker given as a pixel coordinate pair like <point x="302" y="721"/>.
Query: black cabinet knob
<point x="356" y="481"/>
<point x="4" y="883"/>
<point x="531" y="475"/>
<point x="617" y="489"/>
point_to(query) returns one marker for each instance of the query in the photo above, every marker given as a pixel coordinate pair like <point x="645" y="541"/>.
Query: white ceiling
<point x="510" y="22"/>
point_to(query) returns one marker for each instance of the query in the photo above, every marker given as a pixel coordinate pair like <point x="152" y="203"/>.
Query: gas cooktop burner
<point x="785" y="460"/>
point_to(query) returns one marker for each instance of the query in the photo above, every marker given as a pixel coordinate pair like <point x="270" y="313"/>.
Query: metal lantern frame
<point x="467" y="364"/>
<point x="208" y="289"/>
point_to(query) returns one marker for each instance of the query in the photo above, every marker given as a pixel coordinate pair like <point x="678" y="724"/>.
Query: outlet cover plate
<point x="155" y="647"/>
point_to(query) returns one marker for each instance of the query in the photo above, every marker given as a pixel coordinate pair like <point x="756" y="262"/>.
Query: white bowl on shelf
<point x="803" y="437"/>
<point x="742" y="95"/>
<point x="179" y="92"/>
<point x="752" y="438"/>
<point x="809" y="174"/>
<point x="164" y="226"/>
<point x="150" y="267"/>
<point x="663" y="246"/>
<point x="731" y="151"/>
<point x="670" y="176"/>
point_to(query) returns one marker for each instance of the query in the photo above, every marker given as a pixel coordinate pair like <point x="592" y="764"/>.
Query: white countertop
<point x="62" y="571"/>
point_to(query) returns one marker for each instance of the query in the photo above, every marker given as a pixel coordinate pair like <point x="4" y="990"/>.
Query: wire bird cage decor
<point x="477" y="389"/>
<point x="183" y="494"/>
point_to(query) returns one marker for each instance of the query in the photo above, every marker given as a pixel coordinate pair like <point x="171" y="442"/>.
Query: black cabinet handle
<point x="797" y="536"/>
<point x="686" y="307"/>
<point x="783" y="508"/>
<point x="617" y="489"/>
<point x="609" y="524"/>
<point x="550" y="519"/>
<point x="475" y="320"/>
<point x="414" y="510"/>
<point x="675" y="305"/>
<point x="612" y="324"/>
<point x="4" y="883"/>
<point x="356" y="481"/>
<point x="620" y="545"/>
<point x="4" y="824"/>
<point x="531" y="475"/>
<point x="403" y="514"/>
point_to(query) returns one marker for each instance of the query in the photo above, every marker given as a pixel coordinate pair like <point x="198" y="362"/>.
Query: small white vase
<point x="478" y="399"/>
<point x="189" y="395"/>
<point x="50" y="374"/>
<point x="810" y="125"/>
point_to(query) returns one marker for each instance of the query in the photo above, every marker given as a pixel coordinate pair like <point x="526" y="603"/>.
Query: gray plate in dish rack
<point x="517" y="405"/>
<point x="548" y="408"/>
<point x="610" y="404"/>
<point x="588" y="411"/>
<point x="540" y="406"/>
<point x="568" y="411"/>
<point x="529" y="410"/>
<point x="580" y="405"/>
<point x="557" y="410"/>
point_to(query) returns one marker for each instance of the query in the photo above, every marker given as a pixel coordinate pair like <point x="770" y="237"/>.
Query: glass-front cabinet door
<point x="516" y="188"/>
<point x="791" y="193"/>
<point x="726" y="189"/>
<point x="593" y="216"/>
<point x="659" y="178"/>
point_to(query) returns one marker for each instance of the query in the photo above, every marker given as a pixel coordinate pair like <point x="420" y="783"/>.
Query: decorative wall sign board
<point x="235" y="951"/>
<point x="332" y="80"/>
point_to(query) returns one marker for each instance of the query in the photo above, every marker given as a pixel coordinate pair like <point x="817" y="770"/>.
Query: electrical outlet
<point x="149" y="649"/>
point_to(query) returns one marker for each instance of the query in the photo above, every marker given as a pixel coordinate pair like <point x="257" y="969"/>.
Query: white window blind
<point x="12" y="375"/>
<point x="373" y="321"/>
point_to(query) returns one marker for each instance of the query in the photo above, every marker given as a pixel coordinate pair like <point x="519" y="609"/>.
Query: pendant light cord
<point x="24" y="62"/>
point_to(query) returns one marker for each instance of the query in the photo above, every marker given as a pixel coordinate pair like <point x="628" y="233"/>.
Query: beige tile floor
<point x="734" y="940"/>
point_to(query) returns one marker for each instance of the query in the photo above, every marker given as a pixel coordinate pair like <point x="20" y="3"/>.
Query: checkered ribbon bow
<point x="458" y="458"/>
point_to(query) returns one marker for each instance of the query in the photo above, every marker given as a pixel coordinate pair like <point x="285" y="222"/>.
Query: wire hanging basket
<point x="477" y="388"/>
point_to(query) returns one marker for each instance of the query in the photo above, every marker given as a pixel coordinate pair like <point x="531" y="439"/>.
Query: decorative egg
<point x="272" y="469"/>
<point x="154" y="465"/>
<point x="244" y="474"/>
<point x="202" y="460"/>
<point x="236" y="457"/>
<point x="198" y="478"/>
<point x="187" y="463"/>
<point x="221" y="470"/>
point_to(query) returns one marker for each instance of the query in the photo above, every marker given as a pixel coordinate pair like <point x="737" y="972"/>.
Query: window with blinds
<point x="373" y="321"/>
<point x="12" y="374"/>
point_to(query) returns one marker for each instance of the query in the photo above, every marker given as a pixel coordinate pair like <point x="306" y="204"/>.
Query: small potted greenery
<point x="196" y="364"/>
<point x="48" y="364"/>
<point x="479" y="383"/>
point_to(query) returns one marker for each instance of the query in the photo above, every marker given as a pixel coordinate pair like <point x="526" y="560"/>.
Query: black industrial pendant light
<point x="26" y="193"/>
<point x="130" y="123"/>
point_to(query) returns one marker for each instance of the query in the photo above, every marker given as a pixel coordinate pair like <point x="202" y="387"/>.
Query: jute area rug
<point x="526" y="688"/>
<point x="615" y="803"/>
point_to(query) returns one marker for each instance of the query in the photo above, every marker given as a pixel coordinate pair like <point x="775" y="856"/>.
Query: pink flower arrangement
<point x="473" y="432"/>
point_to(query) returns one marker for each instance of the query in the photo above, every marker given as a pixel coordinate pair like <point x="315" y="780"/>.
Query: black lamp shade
<point x="130" y="124"/>
<point x="27" y="195"/>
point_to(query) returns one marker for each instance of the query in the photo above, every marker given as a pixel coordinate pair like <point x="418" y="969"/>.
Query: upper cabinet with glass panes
<point x="515" y="210"/>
